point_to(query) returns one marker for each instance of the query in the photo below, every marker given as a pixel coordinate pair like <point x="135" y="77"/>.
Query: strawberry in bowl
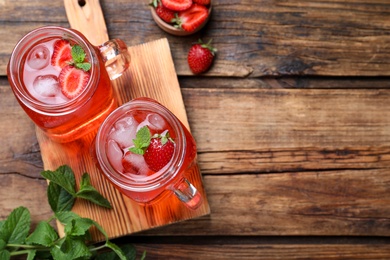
<point x="181" y="17"/>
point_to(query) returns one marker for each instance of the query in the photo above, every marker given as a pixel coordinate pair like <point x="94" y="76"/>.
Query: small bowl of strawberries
<point x="181" y="17"/>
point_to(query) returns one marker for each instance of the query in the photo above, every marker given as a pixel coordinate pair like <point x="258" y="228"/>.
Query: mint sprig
<point x="44" y="242"/>
<point x="78" y="56"/>
<point x="141" y="141"/>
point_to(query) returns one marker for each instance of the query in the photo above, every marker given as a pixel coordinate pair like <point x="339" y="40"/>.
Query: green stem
<point x="97" y="248"/>
<point x="25" y="246"/>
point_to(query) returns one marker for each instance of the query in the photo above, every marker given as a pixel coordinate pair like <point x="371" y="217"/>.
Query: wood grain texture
<point x="149" y="61"/>
<point x="264" y="252"/>
<point x="254" y="38"/>
<point x="86" y="17"/>
<point x="330" y="182"/>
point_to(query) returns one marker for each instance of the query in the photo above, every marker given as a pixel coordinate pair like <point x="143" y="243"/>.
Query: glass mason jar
<point x="65" y="120"/>
<point x="141" y="184"/>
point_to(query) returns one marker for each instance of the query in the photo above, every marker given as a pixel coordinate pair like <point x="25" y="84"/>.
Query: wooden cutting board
<point x="151" y="74"/>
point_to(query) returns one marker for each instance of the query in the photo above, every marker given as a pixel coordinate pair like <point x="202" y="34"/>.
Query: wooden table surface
<point x="292" y="125"/>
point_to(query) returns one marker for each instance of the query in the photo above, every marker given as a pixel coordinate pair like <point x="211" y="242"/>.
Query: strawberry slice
<point x="73" y="81"/>
<point x="177" y="5"/>
<point x="164" y="13"/>
<point x="62" y="53"/>
<point x="192" y="18"/>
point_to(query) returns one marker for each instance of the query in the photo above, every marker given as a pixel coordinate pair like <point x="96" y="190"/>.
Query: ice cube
<point x="157" y="122"/>
<point x="124" y="132"/>
<point x="114" y="154"/>
<point x="46" y="86"/>
<point x="39" y="57"/>
<point x="133" y="163"/>
<point x="143" y="123"/>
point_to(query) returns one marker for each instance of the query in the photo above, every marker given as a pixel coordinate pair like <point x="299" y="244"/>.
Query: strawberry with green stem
<point x="201" y="56"/>
<point x="157" y="149"/>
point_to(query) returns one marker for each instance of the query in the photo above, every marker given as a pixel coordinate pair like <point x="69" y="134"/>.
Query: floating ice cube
<point x="114" y="154"/>
<point x="157" y="122"/>
<point x="46" y="86"/>
<point x="39" y="57"/>
<point x="143" y="123"/>
<point x="134" y="164"/>
<point x="124" y="132"/>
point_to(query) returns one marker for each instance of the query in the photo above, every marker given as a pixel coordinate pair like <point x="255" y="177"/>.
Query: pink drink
<point x="128" y="171"/>
<point x="64" y="116"/>
<point x="40" y="77"/>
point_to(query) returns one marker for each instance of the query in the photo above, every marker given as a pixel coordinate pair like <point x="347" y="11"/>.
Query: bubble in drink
<point x="124" y="132"/>
<point x="46" y="86"/>
<point x="39" y="57"/>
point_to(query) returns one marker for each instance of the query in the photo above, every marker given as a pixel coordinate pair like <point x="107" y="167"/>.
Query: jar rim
<point x="22" y="49"/>
<point x="156" y="180"/>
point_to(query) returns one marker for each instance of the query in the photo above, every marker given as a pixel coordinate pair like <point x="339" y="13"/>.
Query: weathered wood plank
<point x="301" y="203"/>
<point x="254" y="38"/>
<point x="330" y="203"/>
<point x="263" y="252"/>
<point x="253" y="119"/>
<point x="311" y="166"/>
<point x="289" y="130"/>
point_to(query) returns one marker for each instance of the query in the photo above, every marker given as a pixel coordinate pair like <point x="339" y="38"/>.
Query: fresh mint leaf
<point x="85" y="181"/>
<point x="141" y="141"/>
<point x="91" y="194"/>
<point x="59" y="198"/>
<point x="78" y="227"/>
<point x="88" y="192"/>
<point x="117" y="250"/>
<point x="2" y="244"/>
<point x="5" y="255"/>
<point x="71" y="249"/>
<point x="43" y="235"/>
<point x="66" y="216"/>
<point x="62" y="176"/>
<point x="137" y="150"/>
<point x="84" y="66"/>
<point x="1" y="224"/>
<point x="31" y="254"/>
<point x="16" y="227"/>
<point x="78" y="54"/>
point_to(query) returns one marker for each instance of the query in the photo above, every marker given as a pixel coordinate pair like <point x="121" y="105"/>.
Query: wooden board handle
<point x="87" y="17"/>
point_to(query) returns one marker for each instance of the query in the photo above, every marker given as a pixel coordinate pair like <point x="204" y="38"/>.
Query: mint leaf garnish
<point x="78" y="56"/>
<point x="141" y="141"/>
<point x="84" y="66"/>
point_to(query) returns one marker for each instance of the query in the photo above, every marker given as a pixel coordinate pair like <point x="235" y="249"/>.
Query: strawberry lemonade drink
<point x="145" y="151"/>
<point x="61" y="81"/>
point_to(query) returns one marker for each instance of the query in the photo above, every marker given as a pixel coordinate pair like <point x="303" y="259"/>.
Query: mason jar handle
<point x="115" y="56"/>
<point x="187" y="193"/>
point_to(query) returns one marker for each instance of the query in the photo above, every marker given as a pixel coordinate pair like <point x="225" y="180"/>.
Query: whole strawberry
<point x="159" y="152"/>
<point x="201" y="56"/>
<point x="157" y="149"/>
